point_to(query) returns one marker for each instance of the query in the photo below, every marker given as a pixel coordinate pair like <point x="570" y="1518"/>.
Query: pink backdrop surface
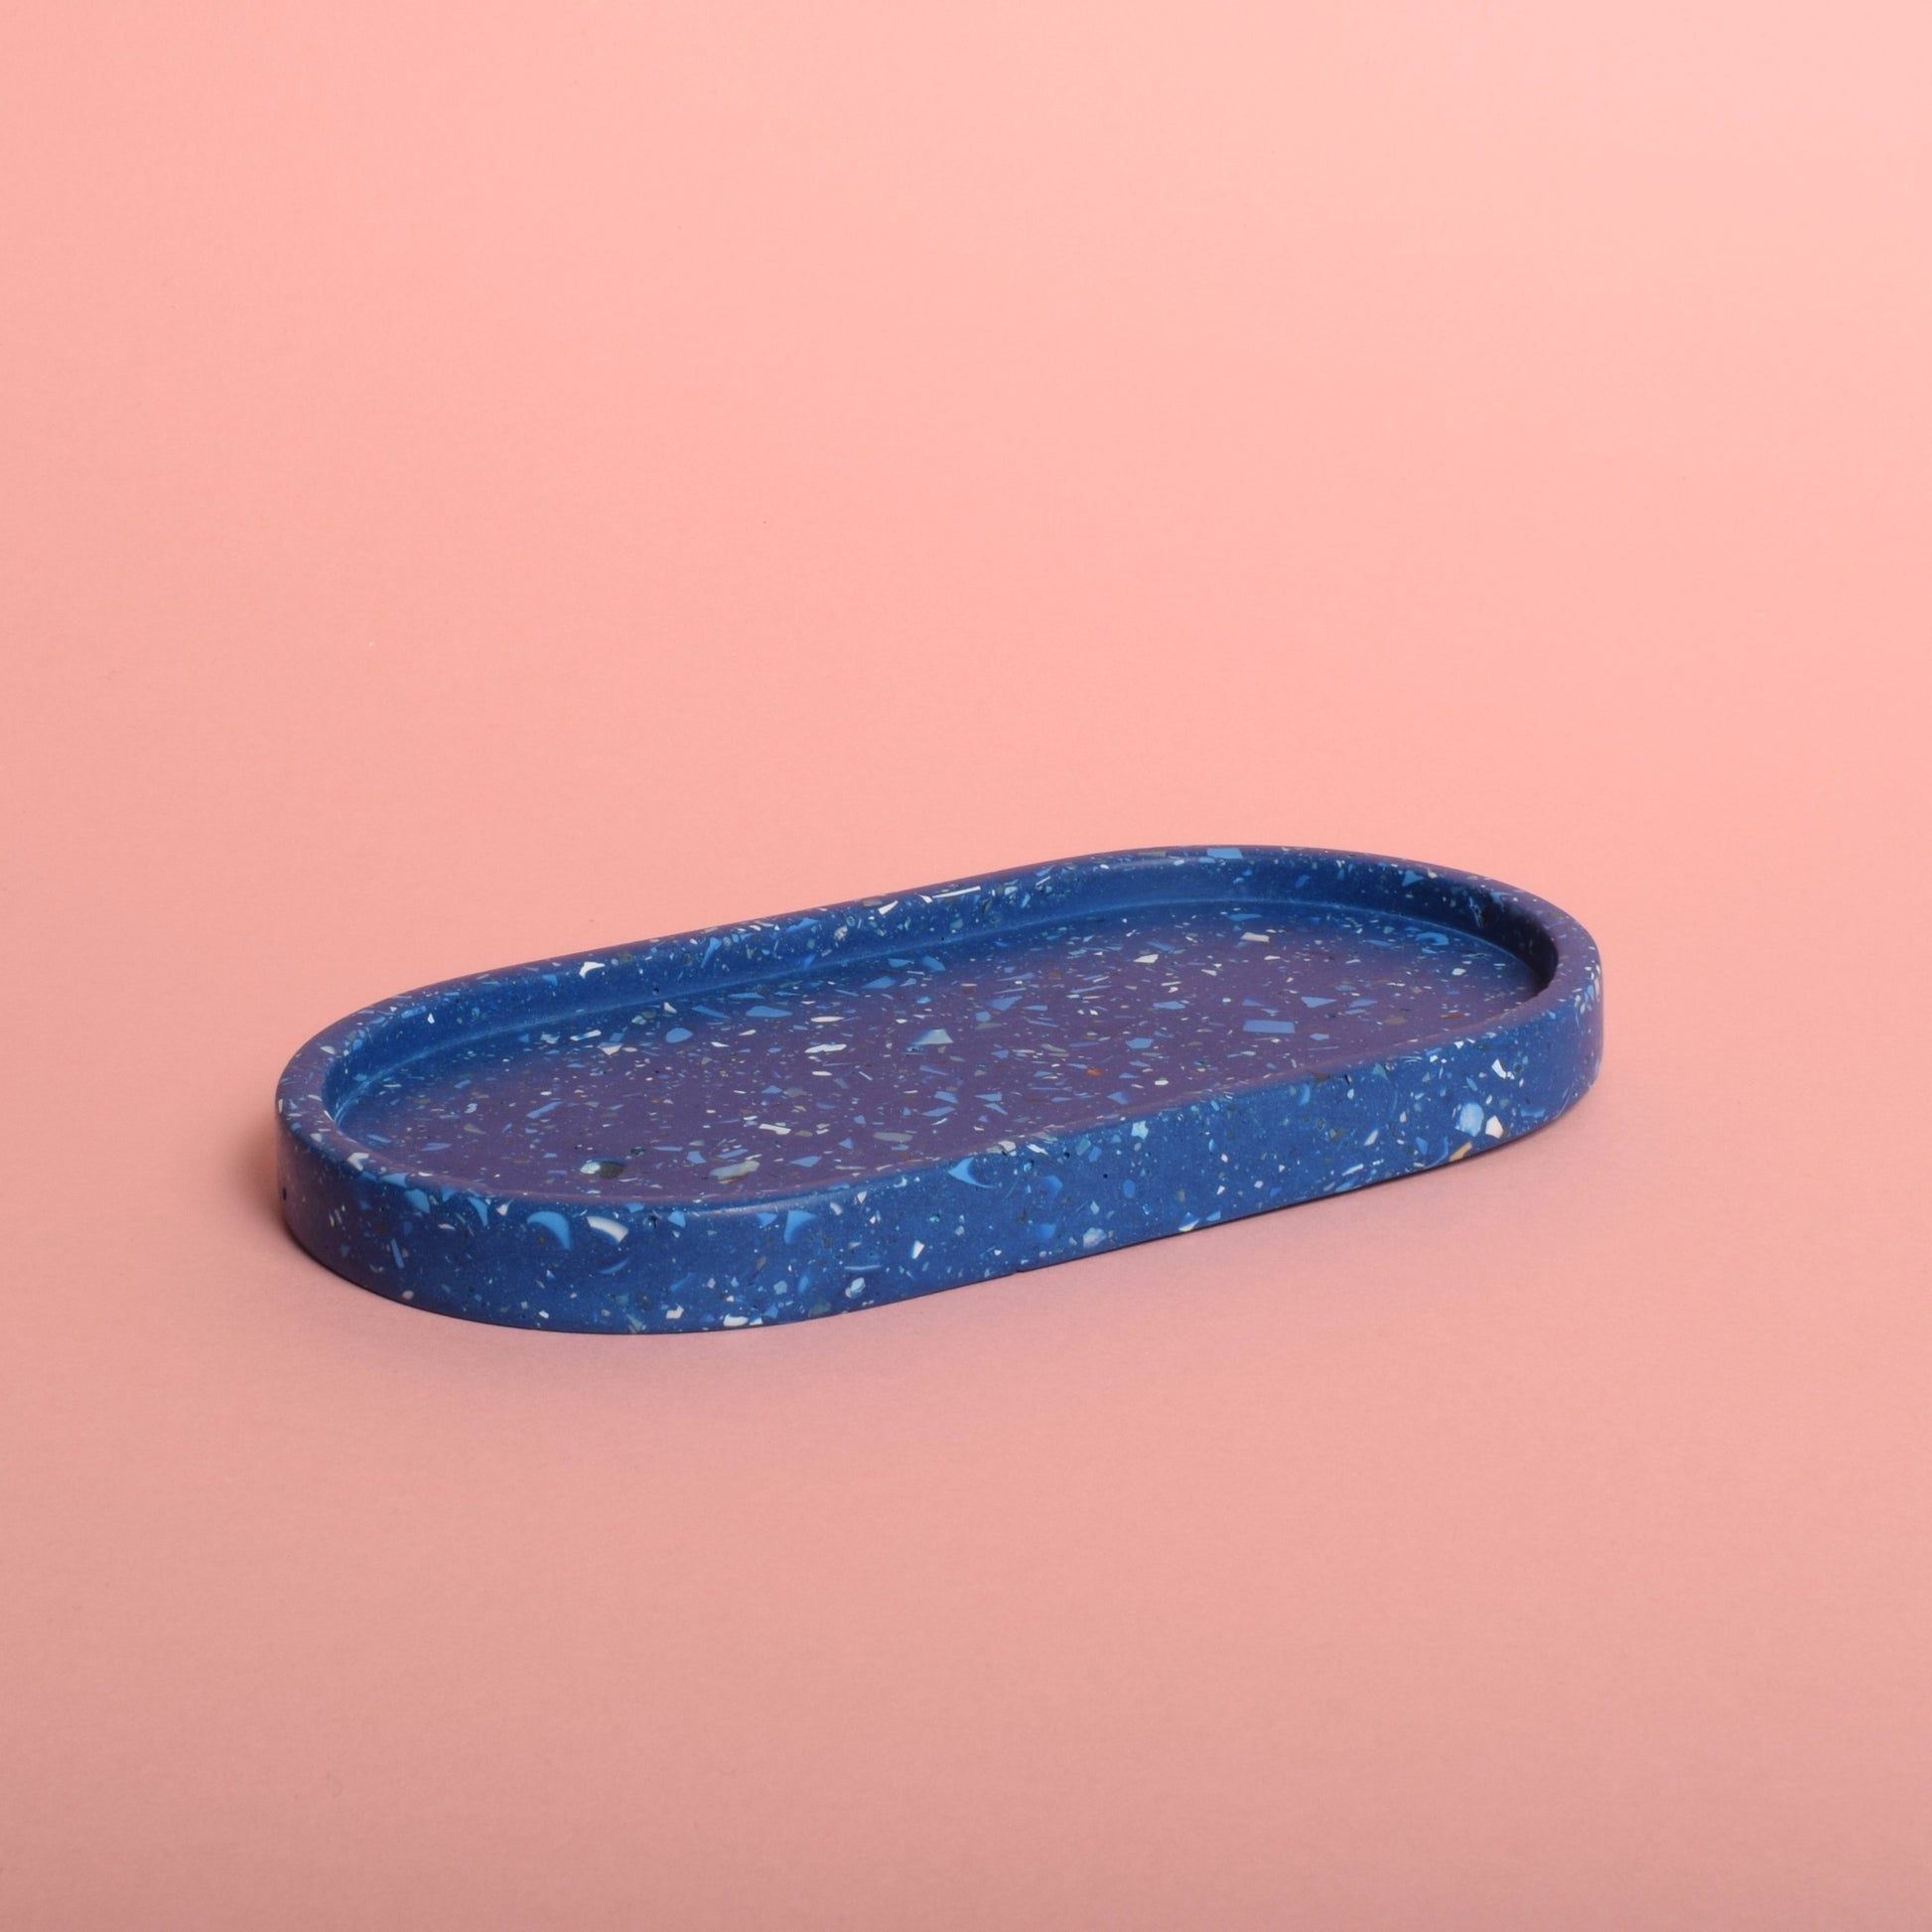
<point x="486" y="481"/>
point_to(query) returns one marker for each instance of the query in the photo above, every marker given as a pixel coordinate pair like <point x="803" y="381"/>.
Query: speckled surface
<point x="805" y="1115"/>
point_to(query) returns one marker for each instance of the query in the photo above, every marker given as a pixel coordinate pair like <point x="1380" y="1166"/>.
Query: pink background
<point x="486" y="481"/>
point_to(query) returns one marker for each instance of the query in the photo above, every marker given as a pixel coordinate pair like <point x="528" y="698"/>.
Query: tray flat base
<point x="856" y="1075"/>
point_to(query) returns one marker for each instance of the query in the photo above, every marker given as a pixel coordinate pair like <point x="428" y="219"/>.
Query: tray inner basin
<point x="855" y="1070"/>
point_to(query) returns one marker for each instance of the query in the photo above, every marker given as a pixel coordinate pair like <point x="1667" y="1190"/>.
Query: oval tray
<point x="799" y="1116"/>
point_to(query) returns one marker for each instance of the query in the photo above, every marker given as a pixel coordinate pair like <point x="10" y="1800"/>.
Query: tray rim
<point x="305" y="1106"/>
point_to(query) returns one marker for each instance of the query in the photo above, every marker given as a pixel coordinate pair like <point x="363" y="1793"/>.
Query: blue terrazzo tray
<point x="799" y="1116"/>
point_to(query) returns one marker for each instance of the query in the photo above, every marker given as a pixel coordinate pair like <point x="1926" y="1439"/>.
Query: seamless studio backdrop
<point x="479" y="483"/>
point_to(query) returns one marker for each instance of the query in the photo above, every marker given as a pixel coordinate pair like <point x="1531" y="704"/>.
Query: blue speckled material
<point x="838" y="1108"/>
